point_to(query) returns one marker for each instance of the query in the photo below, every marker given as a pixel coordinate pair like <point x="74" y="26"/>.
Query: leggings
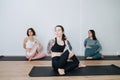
<point x="91" y="52"/>
<point x="33" y="51"/>
<point x="62" y="63"/>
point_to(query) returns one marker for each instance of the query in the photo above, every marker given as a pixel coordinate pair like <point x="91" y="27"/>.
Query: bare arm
<point x="40" y="45"/>
<point x="24" y="43"/>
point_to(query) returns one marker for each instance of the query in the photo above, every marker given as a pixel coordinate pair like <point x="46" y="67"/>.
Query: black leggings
<point x="62" y="63"/>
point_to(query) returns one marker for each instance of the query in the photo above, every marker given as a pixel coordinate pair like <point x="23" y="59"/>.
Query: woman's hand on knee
<point x="70" y="54"/>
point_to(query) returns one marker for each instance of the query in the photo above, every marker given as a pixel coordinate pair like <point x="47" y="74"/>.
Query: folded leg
<point x="97" y="56"/>
<point x="32" y="52"/>
<point x="69" y="66"/>
<point x="91" y="51"/>
<point x="39" y="55"/>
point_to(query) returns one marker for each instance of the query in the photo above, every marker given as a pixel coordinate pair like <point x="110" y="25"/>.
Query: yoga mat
<point x="45" y="71"/>
<point x="21" y="58"/>
<point x="105" y="58"/>
<point x="1" y="56"/>
<point x="48" y="58"/>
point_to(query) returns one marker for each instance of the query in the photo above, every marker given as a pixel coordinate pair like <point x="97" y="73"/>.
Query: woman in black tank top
<point x="58" y="48"/>
<point x="60" y="45"/>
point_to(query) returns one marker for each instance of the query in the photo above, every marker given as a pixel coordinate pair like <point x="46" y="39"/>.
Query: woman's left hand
<point x="88" y="47"/>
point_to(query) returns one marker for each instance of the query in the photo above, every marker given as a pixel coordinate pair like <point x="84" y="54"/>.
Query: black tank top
<point x="57" y="47"/>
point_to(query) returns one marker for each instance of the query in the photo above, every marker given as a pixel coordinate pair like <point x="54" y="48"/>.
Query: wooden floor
<point x="19" y="70"/>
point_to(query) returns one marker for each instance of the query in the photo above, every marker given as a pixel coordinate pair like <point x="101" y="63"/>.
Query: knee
<point x="75" y="60"/>
<point x="97" y="56"/>
<point x="66" y="52"/>
<point x="76" y="63"/>
<point x="42" y="54"/>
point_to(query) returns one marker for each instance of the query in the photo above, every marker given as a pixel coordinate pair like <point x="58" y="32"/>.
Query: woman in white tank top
<point x="32" y="46"/>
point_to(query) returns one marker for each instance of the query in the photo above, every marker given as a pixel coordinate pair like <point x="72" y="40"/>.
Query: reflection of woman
<point x="92" y="46"/>
<point x="32" y="46"/>
<point x="60" y="51"/>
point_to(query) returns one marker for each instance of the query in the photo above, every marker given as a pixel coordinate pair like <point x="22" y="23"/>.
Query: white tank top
<point x="29" y="43"/>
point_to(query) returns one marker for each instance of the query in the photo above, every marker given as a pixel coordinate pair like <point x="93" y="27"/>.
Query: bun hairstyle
<point x="93" y="34"/>
<point x="63" y="36"/>
<point x="34" y="33"/>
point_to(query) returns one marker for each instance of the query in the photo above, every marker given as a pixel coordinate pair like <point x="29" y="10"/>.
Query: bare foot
<point x="89" y="58"/>
<point x="61" y="71"/>
<point x="81" y="65"/>
<point x="30" y="59"/>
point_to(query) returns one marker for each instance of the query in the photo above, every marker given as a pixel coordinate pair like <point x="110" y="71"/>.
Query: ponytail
<point x="63" y="37"/>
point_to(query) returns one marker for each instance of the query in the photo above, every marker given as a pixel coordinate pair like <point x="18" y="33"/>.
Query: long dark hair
<point x="34" y="33"/>
<point x="93" y="34"/>
<point x="63" y="36"/>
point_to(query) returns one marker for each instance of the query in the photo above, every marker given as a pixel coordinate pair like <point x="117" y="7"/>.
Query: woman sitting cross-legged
<point x="60" y="52"/>
<point x="32" y="46"/>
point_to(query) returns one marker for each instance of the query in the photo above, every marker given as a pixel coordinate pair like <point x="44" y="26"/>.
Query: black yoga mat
<point x="87" y="71"/>
<point x="105" y="58"/>
<point x="48" y="58"/>
<point x="20" y="58"/>
<point x="1" y="56"/>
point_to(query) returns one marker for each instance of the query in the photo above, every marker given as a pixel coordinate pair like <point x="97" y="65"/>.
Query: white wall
<point x="77" y="17"/>
<point x="104" y="17"/>
<point x="43" y="15"/>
